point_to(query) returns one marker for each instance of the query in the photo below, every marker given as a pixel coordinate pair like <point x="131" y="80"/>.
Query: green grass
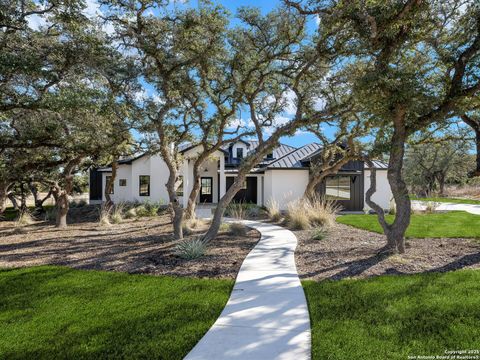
<point x="391" y="317"/>
<point x="447" y="200"/>
<point x="11" y="214"/>
<point x="453" y="224"/>
<point x="57" y="313"/>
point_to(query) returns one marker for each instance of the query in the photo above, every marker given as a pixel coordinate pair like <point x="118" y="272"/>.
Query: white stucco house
<point x="282" y="176"/>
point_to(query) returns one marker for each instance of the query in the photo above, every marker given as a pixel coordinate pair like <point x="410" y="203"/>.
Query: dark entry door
<point x="248" y="194"/>
<point x="206" y="190"/>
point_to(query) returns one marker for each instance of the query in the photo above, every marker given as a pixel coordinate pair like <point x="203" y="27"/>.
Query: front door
<point x="206" y="190"/>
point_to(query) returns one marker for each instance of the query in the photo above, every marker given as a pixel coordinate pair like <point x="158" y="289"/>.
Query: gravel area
<point x="347" y="252"/>
<point x="134" y="246"/>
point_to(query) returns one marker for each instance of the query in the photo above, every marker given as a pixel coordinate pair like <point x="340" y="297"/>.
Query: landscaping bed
<point x="348" y="252"/>
<point x="142" y="245"/>
<point x="59" y="313"/>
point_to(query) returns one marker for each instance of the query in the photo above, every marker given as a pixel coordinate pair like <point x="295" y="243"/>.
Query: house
<point x="282" y="176"/>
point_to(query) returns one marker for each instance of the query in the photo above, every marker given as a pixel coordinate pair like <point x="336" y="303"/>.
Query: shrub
<point x="24" y="219"/>
<point x="273" y="210"/>
<point x="104" y="218"/>
<point x="318" y="234"/>
<point x="431" y="207"/>
<point x="303" y="214"/>
<point x="224" y="227"/>
<point x="236" y="210"/>
<point x="131" y="213"/>
<point x="190" y="249"/>
<point x="147" y="209"/>
<point x="297" y="218"/>
<point x="238" y="229"/>
<point x="117" y="213"/>
<point x="50" y="214"/>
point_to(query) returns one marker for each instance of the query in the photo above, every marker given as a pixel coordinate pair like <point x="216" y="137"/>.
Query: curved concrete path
<point x="473" y="209"/>
<point x="266" y="316"/>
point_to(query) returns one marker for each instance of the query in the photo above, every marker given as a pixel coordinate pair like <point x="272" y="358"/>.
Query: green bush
<point x="191" y="249"/>
<point x="318" y="234"/>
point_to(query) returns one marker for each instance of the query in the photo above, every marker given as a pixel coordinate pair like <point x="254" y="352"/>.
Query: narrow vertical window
<point x="144" y="185"/>
<point x="240" y="153"/>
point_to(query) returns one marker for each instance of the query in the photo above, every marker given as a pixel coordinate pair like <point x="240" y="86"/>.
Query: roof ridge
<point x="287" y="154"/>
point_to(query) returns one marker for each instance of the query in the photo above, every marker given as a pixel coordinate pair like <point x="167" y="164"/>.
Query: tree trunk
<point x="62" y="206"/>
<point x="23" y="198"/>
<point x="3" y="197"/>
<point x="396" y="232"/>
<point x="474" y="123"/>
<point x="13" y="200"/>
<point x="222" y="206"/>
<point x="192" y="198"/>
<point x="109" y="185"/>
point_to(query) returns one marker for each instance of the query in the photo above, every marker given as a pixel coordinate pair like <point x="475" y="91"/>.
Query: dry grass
<point x="237" y="210"/>
<point x="273" y="211"/>
<point x="316" y="212"/>
<point x="24" y="219"/>
<point x="104" y="216"/>
<point x="238" y="229"/>
<point x="468" y="191"/>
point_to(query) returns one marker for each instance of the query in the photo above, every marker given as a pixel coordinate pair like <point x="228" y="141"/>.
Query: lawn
<point x="391" y="317"/>
<point x="56" y="312"/>
<point x="447" y="200"/>
<point x="11" y="214"/>
<point x="454" y="224"/>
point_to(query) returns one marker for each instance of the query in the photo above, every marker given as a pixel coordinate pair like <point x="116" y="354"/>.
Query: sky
<point x="93" y="9"/>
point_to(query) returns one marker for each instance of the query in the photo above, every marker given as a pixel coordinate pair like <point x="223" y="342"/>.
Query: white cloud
<point x="290" y="106"/>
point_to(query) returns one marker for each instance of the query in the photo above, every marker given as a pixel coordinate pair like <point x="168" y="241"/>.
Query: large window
<point x="337" y="188"/>
<point x="144" y="185"/>
<point x="107" y="181"/>
<point x="206" y="184"/>
<point x="240" y="153"/>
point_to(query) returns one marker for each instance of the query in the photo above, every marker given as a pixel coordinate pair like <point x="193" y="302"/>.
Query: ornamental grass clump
<point x="104" y="216"/>
<point x="191" y="249"/>
<point x="314" y="212"/>
<point x="117" y="213"/>
<point x="24" y="219"/>
<point x="273" y="211"/>
<point x="238" y="229"/>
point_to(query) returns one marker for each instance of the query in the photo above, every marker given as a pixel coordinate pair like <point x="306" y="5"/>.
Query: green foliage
<point x="453" y="224"/>
<point x="99" y="314"/>
<point x="430" y="166"/>
<point x="318" y="234"/>
<point x="191" y="249"/>
<point x="392" y="317"/>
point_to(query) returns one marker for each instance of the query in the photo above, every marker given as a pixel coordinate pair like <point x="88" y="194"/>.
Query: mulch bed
<point x="347" y="252"/>
<point x="135" y="246"/>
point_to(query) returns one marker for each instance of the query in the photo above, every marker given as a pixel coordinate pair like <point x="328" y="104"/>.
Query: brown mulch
<point x="135" y="246"/>
<point x="347" y="252"/>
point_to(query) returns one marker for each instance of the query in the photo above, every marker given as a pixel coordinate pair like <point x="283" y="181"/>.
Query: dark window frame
<point x="122" y="182"/>
<point x="241" y="151"/>
<point x="147" y="193"/>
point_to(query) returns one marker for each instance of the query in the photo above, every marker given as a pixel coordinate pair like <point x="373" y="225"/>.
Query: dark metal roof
<point x="294" y="158"/>
<point x="378" y="164"/>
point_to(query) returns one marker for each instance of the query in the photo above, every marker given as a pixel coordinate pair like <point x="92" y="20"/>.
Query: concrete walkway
<point x="266" y="316"/>
<point x="473" y="209"/>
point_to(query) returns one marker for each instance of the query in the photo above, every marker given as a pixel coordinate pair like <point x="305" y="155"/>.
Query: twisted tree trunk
<point x="109" y="185"/>
<point x="475" y="125"/>
<point x="61" y="195"/>
<point x="394" y="232"/>
<point x="192" y="198"/>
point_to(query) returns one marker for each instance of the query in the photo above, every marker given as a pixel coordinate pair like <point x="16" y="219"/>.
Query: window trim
<point x="140" y="185"/>
<point x="120" y="182"/>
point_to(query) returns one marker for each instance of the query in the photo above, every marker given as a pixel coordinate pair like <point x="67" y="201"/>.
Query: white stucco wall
<point x="237" y="145"/>
<point x="383" y="195"/>
<point x="120" y="193"/>
<point x="285" y="186"/>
